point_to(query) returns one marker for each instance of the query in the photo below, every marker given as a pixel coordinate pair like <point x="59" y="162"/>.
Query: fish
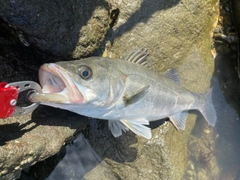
<point x="127" y="92"/>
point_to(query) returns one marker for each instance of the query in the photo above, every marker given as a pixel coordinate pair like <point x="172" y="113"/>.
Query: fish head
<point x="90" y="82"/>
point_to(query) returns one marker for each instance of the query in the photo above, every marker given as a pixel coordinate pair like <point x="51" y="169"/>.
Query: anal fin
<point x="179" y="120"/>
<point x="137" y="126"/>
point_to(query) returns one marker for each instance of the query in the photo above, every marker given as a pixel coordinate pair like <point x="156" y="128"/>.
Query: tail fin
<point x="208" y="110"/>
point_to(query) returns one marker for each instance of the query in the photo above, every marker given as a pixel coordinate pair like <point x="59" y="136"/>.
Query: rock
<point x="236" y="14"/>
<point x="68" y="29"/>
<point x="190" y="173"/>
<point x="178" y="35"/>
<point x="168" y="29"/>
<point x="101" y="172"/>
<point x="236" y="17"/>
<point x="72" y="162"/>
<point x="133" y="157"/>
<point x="27" y="139"/>
<point x="202" y="175"/>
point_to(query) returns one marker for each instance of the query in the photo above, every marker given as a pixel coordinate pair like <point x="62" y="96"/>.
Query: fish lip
<point x="55" y="76"/>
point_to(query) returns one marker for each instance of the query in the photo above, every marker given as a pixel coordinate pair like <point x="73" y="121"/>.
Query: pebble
<point x="190" y="173"/>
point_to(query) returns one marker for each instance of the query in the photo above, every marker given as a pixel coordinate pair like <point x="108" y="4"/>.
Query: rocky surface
<point x="236" y="21"/>
<point x="236" y="13"/>
<point x="68" y="29"/>
<point x="177" y="34"/>
<point x="28" y="139"/>
<point x="25" y="140"/>
<point x="169" y="29"/>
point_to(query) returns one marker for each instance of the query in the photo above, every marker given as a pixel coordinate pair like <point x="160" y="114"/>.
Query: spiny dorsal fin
<point x="138" y="57"/>
<point x="173" y="75"/>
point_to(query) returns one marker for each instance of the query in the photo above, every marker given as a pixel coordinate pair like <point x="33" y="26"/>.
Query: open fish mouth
<point x="57" y="86"/>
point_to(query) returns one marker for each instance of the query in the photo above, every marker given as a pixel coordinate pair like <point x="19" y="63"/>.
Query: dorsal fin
<point x="173" y="75"/>
<point x="138" y="57"/>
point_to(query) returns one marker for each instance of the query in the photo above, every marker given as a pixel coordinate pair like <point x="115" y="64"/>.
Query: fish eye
<point x="85" y="72"/>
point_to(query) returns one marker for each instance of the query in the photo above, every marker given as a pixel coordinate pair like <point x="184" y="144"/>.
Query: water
<point x="214" y="152"/>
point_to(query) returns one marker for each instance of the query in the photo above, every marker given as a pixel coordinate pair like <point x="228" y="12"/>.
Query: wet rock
<point x="178" y="35"/>
<point x="202" y="155"/>
<point x="28" y="139"/>
<point x="25" y="140"/>
<point x="68" y="29"/>
<point x="72" y="162"/>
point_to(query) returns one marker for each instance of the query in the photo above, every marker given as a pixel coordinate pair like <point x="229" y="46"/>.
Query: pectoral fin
<point x="116" y="127"/>
<point x="136" y="97"/>
<point x="179" y="120"/>
<point x="137" y="126"/>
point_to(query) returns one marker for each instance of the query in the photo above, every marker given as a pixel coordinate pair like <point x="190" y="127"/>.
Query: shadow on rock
<point x="72" y="162"/>
<point x="43" y="116"/>
<point x="49" y="116"/>
<point x="65" y="29"/>
<point x="143" y="14"/>
<point x="13" y="131"/>
<point x="119" y="149"/>
<point x="43" y="169"/>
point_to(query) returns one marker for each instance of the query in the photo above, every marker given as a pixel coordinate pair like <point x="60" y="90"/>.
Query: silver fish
<point x="124" y="91"/>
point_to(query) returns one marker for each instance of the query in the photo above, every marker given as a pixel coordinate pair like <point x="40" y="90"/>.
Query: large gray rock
<point x="28" y="139"/>
<point x="169" y="29"/>
<point x="178" y="35"/>
<point x="69" y="29"/>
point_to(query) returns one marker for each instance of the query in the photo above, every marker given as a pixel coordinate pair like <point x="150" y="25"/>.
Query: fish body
<point x="124" y="91"/>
